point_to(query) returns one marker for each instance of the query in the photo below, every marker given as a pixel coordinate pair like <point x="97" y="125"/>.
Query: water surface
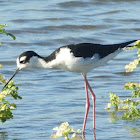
<point x="51" y="97"/>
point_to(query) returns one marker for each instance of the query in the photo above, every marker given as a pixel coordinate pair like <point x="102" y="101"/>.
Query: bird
<point x="78" y="58"/>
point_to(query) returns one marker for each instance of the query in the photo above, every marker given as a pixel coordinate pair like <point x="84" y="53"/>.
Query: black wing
<point x="86" y="50"/>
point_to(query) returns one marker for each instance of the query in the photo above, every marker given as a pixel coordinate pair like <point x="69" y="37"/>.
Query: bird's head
<point x="25" y="60"/>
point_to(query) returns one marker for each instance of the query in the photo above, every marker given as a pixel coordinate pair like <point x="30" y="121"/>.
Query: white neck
<point x="42" y="63"/>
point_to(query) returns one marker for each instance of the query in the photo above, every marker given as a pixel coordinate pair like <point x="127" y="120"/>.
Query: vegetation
<point x="64" y="130"/>
<point x="10" y="90"/>
<point x="3" y="31"/>
<point x="129" y="105"/>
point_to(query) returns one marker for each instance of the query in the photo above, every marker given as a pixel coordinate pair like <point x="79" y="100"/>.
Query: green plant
<point x="136" y="63"/>
<point x="64" y="130"/>
<point x="129" y="105"/>
<point x="3" y="31"/>
<point x="5" y="106"/>
<point x="10" y="90"/>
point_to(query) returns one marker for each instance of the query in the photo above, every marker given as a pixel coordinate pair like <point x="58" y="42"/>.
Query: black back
<point x="86" y="50"/>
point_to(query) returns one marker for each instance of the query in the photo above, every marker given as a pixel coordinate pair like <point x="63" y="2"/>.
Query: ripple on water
<point x="51" y="97"/>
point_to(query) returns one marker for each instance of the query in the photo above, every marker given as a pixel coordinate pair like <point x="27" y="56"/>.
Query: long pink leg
<point x="87" y="106"/>
<point x="93" y="98"/>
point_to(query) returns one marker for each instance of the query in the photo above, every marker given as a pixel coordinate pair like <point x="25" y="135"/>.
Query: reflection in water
<point x="134" y="131"/>
<point x="133" y="127"/>
<point x="94" y="135"/>
<point x="3" y="136"/>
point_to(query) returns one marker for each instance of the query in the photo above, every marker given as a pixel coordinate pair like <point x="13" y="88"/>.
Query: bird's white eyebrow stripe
<point x="22" y="58"/>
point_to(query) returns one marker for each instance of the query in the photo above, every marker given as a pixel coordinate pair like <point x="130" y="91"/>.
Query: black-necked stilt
<point x="79" y="58"/>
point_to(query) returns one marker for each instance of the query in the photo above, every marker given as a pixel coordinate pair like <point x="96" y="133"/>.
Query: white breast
<point x="67" y="61"/>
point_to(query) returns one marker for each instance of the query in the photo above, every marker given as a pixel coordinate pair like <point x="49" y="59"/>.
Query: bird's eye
<point x="22" y="62"/>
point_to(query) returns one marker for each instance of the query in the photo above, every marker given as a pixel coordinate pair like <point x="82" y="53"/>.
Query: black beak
<point x="11" y="77"/>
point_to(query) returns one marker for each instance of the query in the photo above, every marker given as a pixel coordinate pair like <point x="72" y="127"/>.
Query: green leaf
<point x="3" y="31"/>
<point x="9" y="34"/>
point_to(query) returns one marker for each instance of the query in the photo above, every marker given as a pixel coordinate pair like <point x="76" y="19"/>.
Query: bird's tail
<point x="125" y="44"/>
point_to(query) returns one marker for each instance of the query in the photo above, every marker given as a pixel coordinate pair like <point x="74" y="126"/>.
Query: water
<point x="51" y="97"/>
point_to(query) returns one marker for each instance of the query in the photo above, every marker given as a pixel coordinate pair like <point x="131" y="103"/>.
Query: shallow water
<point x="54" y="96"/>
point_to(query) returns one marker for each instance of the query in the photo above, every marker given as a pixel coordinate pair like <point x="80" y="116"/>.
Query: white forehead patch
<point x="22" y="58"/>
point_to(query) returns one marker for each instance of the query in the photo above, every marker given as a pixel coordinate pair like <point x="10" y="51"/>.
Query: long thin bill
<point x="17" y="70"/>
